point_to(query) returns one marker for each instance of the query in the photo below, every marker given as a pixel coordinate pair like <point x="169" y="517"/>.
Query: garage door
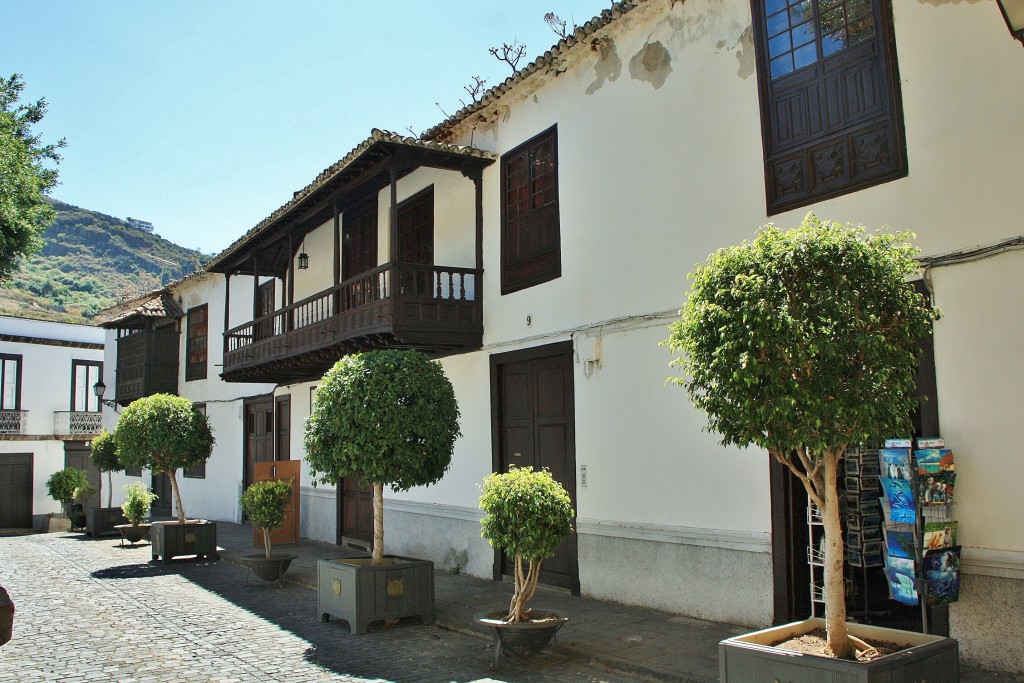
<point x="15" y="490"/>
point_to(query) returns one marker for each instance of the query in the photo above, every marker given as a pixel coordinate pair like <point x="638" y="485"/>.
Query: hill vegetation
<point x="90" y="261"/>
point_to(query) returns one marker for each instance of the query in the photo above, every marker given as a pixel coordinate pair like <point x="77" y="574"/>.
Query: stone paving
<point x="92" y="610"/>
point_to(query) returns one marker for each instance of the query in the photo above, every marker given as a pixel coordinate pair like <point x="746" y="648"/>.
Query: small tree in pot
<point x="804" y="343"/>
<point x="264" y="502"/>
<point x="164" y="433"/>
<point x="383" y="417"/>
<point x="527" y="515"/>
<point x="104" y="457"/>
<point x="61" y="486"/>
<point x="138" y="500"/>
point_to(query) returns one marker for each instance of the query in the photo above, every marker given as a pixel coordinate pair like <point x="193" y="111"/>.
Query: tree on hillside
<point x="24" y="176"/>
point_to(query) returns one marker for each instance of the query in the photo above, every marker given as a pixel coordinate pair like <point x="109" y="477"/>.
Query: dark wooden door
<point x="259" y="434"/>
<point x="416" y="241"/>
<point x="15" y="490"/>
<point x="355" y="512"/>
<point x="282" y="430"/>
<point x="359" y="250"/>
<point x="265" y="297"/>
<point x="77" y="455"/>
<point x="163" y="506"/>
<point x="534" y="424"/>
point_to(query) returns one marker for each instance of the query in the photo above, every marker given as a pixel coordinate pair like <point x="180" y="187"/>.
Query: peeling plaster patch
<point x="607" y="68"/>
<point x="719" y="45"/>
<point x="653" y="63"/>
<point x="745" y="54"/>
<point x="507" y="114"/>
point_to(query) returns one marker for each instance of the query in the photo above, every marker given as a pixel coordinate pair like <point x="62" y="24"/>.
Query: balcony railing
<point x="13" y="421"/>
<point x="76" y="423"/>
<point x="431" y="307"/>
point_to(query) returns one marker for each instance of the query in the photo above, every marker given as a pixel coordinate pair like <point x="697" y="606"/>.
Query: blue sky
<point x="203" y="116"/>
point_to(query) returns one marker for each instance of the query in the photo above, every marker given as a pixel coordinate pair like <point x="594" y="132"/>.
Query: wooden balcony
<point x="435" y="309"/>
<point x="147" y="363"/>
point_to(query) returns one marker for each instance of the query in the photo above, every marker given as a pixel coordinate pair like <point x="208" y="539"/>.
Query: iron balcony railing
<point x="13" y="421"/>
<point x="76" y="423"/>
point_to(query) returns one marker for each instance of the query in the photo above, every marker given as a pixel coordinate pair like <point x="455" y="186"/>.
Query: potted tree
<point x="82" y="493"/>
<point x="803" y="343"/>
<point x="138" y="499"/>
<point x="527" y="514"/>
<point x="61" y="487"/>
<point x="164" y="433"/>
<point x="383" y="417"/>
<point x="264" y="502"/>
<point x="103" y="520"/>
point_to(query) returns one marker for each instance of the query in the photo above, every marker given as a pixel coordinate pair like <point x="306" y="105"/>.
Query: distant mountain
<point x="90" y="261"/>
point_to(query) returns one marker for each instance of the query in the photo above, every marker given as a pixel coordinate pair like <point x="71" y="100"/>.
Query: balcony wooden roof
<point x="363" y="171"/>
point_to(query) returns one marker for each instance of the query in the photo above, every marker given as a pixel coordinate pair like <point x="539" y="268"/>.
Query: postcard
<point x="942" y="575"/>
<point x="932" y="460"/>
<point x="902" y="584"/>
<point x="937" y="488"/>
<point x="895" y="463"/>
<point x="900" y="495"/>
<point x="933" y="442"/>
<point x="939" y="535"/>
<point x="899" y="543"/>
<point x="897" y="443"/>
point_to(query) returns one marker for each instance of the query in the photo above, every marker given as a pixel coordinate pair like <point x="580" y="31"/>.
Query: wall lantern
<point x="1013" y="13"/>
<point x="303" y="257"/>
<point x="99" y="389"/>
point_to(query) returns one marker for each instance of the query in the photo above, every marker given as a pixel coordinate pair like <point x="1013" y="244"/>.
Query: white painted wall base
<point x="318" y="514"/>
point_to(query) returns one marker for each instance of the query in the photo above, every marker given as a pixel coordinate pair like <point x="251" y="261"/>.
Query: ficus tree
<point x="806" y="342"/>
<point x="382" y="417"/>
<point x="164" y="433"/>
<point x="526" y="515"/>
<point x="265" y="503"/>
<point x="104" y="457"/>
<point x="62" y="484"/>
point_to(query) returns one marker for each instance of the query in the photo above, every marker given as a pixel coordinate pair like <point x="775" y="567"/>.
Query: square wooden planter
<point x="194" y="537"/>
<point x="99" y="521"/>
<point x="750" y="658"/>
<point x="359" y="593"/>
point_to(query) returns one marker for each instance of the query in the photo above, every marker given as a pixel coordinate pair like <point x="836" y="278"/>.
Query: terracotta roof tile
<point x="162" y="305"/>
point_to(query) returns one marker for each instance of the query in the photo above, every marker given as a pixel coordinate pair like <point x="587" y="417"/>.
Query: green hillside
<point x="90" y="261"/>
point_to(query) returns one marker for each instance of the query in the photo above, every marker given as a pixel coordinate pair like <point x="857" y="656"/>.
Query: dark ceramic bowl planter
<point x="99" y="521"/>
<point x="751" y="658"/>
<point x="133" y="533"/>
<point x="269" y="568"/>
<point x="523" y="639"/>
<point x="361" y="593"/>
<point x="173" y="539"/>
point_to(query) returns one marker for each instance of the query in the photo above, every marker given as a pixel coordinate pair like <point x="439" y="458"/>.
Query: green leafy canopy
<point x="104" y="453"/>
<point x="528" y="513"/>
<point x="163" y="433"/>
<point x="25" y="176"/>
<point x="804" y="339"/>
<point x="385" y="417"/>
<point x="265" y="502"/>
<point x="62" y="484"/>
<point x="138" y="499"/>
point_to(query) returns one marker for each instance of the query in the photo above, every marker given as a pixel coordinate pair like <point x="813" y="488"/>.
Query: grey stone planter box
<point x="359" y="593"/>
<point x="99" y="521"/>
<point x="751" y="659"/>
<point x="194" y="537"/>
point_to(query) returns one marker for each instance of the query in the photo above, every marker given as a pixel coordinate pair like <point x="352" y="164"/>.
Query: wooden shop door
<point x="534" y="419"/>
<point x="287" y="470"/>
<point x="259" y="434"/>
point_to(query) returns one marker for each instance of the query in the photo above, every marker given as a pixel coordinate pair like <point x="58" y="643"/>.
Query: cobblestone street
<point x="91" y="610"/>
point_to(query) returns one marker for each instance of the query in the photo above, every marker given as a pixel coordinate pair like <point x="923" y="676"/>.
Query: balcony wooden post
<point x="478" y="280"/>
<point x="336" y="303"/>
<point x="393" y="216"/>
<point x="227" y="308"/>
<point x="290" y="274"/>
<point x="255" y="287"/>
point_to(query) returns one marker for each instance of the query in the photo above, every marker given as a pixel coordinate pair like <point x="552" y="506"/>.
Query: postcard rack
<point x="863" y="516"/>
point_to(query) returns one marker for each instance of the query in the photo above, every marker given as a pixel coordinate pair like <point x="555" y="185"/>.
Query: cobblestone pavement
<point x="91" y="610"/>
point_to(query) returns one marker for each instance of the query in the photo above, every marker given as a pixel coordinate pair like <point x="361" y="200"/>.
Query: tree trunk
<point x="110" y="489"/>
<point x="835" y="592"/>
<point x="177" y="496"/>
<point x="378" y="524"/>
<point x="266" y="541"/>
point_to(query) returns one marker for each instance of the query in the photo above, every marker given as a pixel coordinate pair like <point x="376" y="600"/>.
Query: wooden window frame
<point x="19" y="359"/>
<point x="90" y="397"/>
<point x="199" y="471"/>
<point x="842" y="151"/>
<point x="196" y="369"/>
<point x="538" y="265"/>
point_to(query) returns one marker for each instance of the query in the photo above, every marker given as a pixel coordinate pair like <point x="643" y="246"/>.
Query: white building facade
<point x="48" y="412"/>
<point x="538" y="242"/>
